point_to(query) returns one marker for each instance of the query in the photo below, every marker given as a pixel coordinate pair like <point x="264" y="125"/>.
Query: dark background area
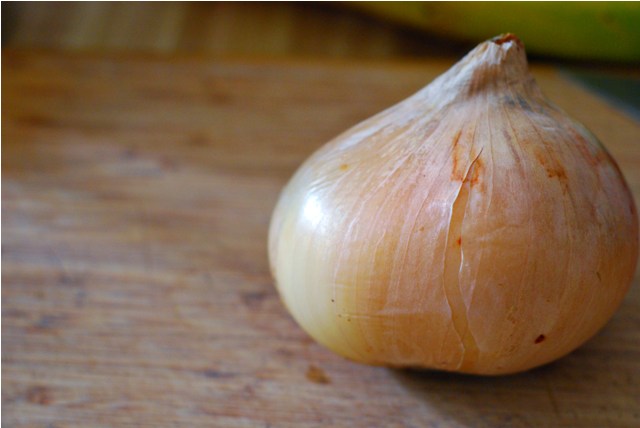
<point x="221" y="28"/>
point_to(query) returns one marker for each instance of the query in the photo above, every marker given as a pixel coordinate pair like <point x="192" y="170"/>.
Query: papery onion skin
<point x="473" y="227"/>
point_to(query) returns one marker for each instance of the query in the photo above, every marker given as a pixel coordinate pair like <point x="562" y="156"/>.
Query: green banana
<point x="608" y="31"/>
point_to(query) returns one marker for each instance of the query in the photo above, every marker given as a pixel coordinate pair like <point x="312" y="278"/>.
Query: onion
<point x="473" y="227"/>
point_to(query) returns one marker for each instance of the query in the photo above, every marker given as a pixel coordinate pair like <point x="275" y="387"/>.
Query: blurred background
<point x="596" y="43"/>
<point x="593" y="32"/>
<point x="220" y="28"/>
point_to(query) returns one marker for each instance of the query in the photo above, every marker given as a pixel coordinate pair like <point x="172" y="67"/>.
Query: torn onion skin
<point x="473" y="227"/>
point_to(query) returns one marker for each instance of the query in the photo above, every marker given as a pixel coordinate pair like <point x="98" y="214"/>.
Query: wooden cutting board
<point x="136" y="196"/>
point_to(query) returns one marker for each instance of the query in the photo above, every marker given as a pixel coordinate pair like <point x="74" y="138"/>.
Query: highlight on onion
<point x="473" y="227"/>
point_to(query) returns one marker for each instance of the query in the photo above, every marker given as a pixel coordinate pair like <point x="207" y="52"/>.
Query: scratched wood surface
<point x="136" y="198"/>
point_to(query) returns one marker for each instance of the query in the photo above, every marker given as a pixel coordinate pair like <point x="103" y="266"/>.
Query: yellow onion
<point x="473" y="227"/>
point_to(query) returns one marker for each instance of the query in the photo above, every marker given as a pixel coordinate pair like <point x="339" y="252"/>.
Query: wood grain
<point x="215" y="28"/>
<point x="136" y="198"/>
